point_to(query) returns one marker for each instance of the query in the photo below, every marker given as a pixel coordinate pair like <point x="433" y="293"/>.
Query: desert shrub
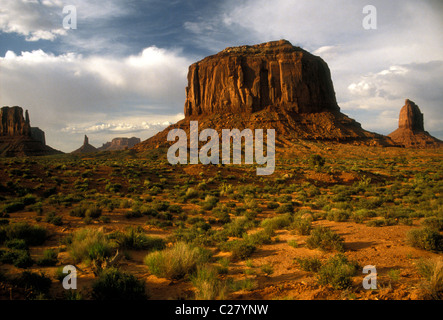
<point x="176" y="262"/>
<point x="433" y="223"/>
<point x="49" y="258"/>
<point x="29" y="199"/>
<point x="210" y="202"/>
<point x="236" y="228"/>
<point x="37" y="283"/>
<point x="191" y="193"/>
<point x="175" y="208"/>
<point x="276" y="223"/>
<point x="240" y="249"/>
<point x="32" y="235"/>
<point x="93" y="211"/>
<point x="78" y="212"/>
<point x="207" y="283"/>
<point x="16" y="257"/>
<point x="293" y="243"/>
<point x="13" y="207"/>
<point x="267" y="269"/>
<point x="301" y="226"/>
<point x="362" y="214"/>
<point x="113" y="284"/>
<point x="432" y="272"/>
<point x="425" y="239"/>
<point x="52" y="218"/>
<point x="18" y="244"/>
<point x="337" y="272"/>
<point x="324" y="239"/>
<point x="316" y="161"/>
<point x="382" y="222"/>
<point x="337" y="215"/>
<point x="138" y="240"/>
<point x="285" y="208"/>
<point x="88" y="245"/>
<point x="259" y="238"/>
<point x="244" y="284"/>
<point x="309" y="264"/>
<point x="273" y="205"/>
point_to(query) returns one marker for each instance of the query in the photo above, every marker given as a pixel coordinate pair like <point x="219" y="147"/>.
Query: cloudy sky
<point x="122" y="71"/>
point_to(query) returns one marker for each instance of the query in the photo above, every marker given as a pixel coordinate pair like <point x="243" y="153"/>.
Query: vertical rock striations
<point x="248" y="79"/>
<point x="18" y="138"/>
<point x="273" y="85"/>
<point x="411" y="132"/>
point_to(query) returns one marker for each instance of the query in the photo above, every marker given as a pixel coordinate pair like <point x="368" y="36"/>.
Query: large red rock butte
<point x="18" y="138"/>
<point x="271" y="85"/>
<point x="411" y="132"/>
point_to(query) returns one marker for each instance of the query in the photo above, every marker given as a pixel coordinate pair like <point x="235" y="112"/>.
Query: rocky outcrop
<point x="411" y="132"/>
<point x="38" y="135"/>
<point x="272" y="85"/>
<point x="248" y="79"/>
<point x="12" y="122"/>
<point x="119" y="144"/>
<point x="18" y="138"/>
<point x="86" y="147"/>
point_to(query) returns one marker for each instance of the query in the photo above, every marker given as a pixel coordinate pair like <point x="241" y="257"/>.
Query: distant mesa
<point x="119" y="144"/>
<point x="269" y="85"/>
<point x="18" y="138"/>
<point x="411" y="132"/>
<point x="116" y="144"/>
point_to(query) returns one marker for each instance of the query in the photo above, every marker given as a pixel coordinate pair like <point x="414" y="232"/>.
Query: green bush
<point x="240" y="249"/>
<point x="301" y="226"/>
<point x="324" y="239"/>
<point x="273" y="205"/>
<point x="32" y="235"/>
<point x="276" y="222"/>
<point x="16" y="257"/>
<point x="37" y="283"/>
<point x="176" y="262"/>
<point x="138" y="240"/>
<point x="337" y="272"/>
<point x="49" y="258"/>
<point x="309" y="264"/>
<point x="285" y="208"/>
<point x="18" y="244"/>
<point x="433" y="222"/>
<point x="259" y="238"/>
<point x="337" y="215"/>
<point x="207" y="283"/>
<point x="425" y="239"/>
<point x="89" y="244"/>
<point x="113" y="284"/>
<point x="52" y="218"/>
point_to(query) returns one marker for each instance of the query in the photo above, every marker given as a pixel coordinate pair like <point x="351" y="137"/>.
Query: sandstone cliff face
<point x="411" y="117"/>
<point x="411" y="132"/>
<point x="119" y="144"/>
<point x="18" y="138"/>
<point x="250" y="78"/>
<point x="13" y="123"/>
<point x="272" y="85"/>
